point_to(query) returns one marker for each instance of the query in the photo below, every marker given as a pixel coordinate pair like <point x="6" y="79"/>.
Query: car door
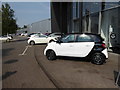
<point x="84" y="44"/>
<point x="41" y="39"/>
<point x="66" y="47"/>
<point x="44" y="39"/>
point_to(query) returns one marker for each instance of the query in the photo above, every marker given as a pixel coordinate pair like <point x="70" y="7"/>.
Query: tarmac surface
<point x="25" y="66"/>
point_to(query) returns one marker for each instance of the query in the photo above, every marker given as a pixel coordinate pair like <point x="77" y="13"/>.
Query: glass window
<point x="94" y="22"/>
<point x="37" y="36"/>
<point x="86" y="8"/>
<point x="110" y="4"/>
<point x="96" y="38"/>
<point x="111" y="24"/>
<point x="76" y="26"/>
<point x="95" y="7"/>
<point x="68" y="38"/>
<point x="42" y="36"/>
<point x="75" y="10"/>
<point x="91" y="7"/>
<point x="84" y="38"/>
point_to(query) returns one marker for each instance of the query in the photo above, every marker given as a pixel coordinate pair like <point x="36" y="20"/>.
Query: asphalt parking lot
<point x="25" y="66"/>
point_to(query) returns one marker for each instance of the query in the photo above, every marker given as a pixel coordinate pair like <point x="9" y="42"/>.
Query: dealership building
<point x="88" y="17"/>
<point x="42" y="26"/>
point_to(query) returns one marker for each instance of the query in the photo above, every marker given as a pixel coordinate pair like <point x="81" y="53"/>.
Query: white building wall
<point x="43" y="26"/>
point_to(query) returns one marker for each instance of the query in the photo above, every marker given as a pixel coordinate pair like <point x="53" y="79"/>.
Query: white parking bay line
<point x="24" y="51"/>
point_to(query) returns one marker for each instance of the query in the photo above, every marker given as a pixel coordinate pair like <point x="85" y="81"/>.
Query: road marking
<point x="25" y="51"/>
<point x="118" y="77"/>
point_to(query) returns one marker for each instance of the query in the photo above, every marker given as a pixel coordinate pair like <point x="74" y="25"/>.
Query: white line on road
<point x="24" y="51"/>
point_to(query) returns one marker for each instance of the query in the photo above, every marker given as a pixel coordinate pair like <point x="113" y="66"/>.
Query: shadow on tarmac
<point x="21" y="40"/>
<point x="7" y="74"/>
<point x="77" y="59"/>
<point x="5" y="52"/>
<point x="10" y="61"/>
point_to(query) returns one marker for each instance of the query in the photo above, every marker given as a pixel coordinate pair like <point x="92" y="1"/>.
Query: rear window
<point x="96" y="38"/>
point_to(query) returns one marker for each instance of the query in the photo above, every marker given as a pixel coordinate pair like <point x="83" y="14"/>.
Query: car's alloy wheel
<point x="51" y="55"/>
<point x="98" y="58"/>
<point x="32" y="43"/>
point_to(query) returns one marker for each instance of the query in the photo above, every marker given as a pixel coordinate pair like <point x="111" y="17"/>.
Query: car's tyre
<point x="98" y="58"/>
<point x="32" y="43"/>
<point x="51" y="41"/>
<point x="51" y="55"/>
<point x="8" y="40"/>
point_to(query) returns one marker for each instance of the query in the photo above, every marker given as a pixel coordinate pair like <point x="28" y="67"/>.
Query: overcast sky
<point x="30" y="12"/>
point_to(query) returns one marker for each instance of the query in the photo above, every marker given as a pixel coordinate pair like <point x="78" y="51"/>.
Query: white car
<point x="90" y="46"/>
<point x="6" y="38"/>
<point x="34" y="34"/>
<point x="37" y="34"/>
<point x="38" y="39"/>
<point x="24" y="34"/>
<point x="57" y="34"/>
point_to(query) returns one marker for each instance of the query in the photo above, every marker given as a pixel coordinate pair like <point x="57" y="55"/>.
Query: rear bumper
<point x="105" y="52"/>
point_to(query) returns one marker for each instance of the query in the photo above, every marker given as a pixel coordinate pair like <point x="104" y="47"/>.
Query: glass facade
<point x="75" y="17"/>
<point x="91" y="7"/>
<point x="96" y="17"/>
<point x="75" y="10"/>
<point x="108" y="5"/>
<point x="111" y="24"/>
<point x="94" y="22"/>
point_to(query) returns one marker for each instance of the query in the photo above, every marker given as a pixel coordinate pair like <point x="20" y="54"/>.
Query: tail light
<point x="28" y="38"/>
<point x="103" y="45"/>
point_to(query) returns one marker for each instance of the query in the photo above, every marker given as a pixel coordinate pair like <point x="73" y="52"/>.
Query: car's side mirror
<point x="59" y="41"/>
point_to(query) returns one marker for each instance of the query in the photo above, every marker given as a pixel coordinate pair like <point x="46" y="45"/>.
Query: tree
<point x="25" y="26"/>
<point x="8" y="20"/>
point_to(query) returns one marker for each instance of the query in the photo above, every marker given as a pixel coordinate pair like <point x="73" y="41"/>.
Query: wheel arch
<point x="49" y="50"/>
<point x="51" y="40"/>
<point x="31" y="41"/>
<point x="98" y="61"/>
<point x="93" y="52"/>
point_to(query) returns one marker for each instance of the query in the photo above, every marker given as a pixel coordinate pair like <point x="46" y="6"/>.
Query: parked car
<point x="91" y="46"/>
<point x="24" y="34"/>
<point x="6" y="38"/>
<point x="47" y="34"/>
<point x="34" y="34"/>
<point x="57" y="34"/>
<point x="29" y="35"/>
<point x="38" y="39"/>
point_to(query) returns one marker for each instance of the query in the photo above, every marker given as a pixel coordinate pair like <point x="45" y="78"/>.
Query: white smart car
<point x="38" y="39"/>
<point x="78" y="45"/>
